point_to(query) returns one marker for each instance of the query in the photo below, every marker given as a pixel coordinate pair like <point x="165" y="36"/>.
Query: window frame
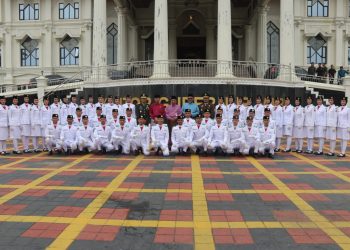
<point x="114" y="39"/>
<point x="62" y="8"/>
<point x="270" y="49"/>
<point x="65" y="54"/>
<point x="27" y="56"/>
<point x="323" y="6"/>
<point x="22" y="8"/>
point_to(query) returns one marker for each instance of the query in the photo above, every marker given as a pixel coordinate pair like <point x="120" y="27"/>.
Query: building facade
<point x="65" y="36"/>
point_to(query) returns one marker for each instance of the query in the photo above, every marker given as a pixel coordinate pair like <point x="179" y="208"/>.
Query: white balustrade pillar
<point x="224" y="46"/>
<point x="122" y="56"/>
<point x="161" y="39"/>
<point x="41" y="85"/>
<point x="287" y="39"/>
<point x="99" y="39"/>
<point x="346" y="84"/>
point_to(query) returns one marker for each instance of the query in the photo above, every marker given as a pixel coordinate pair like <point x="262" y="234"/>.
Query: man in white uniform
<point x="230" y="107"/>
<point x="277" y="116"/>
<point x="78" y="117"/>
<point x="68" y="136"/>
<point x="103" y="135"/>
<point x="207" y="122"/>
<point x="129" y="119"/>
<point x="91" y="108"/>
<point x="218" y="137"/>
<point x="298" y="128"/>
<point x="222" y="106"/>
<point x="332" y="121"/>
<point x="235" y="138"/>
<point x="288" y="118"/>
<point x="320" y="124"/>
<point x="114" y="121"/>
<point x="25" y="123"/>
<point x="267" y="138"/>
<point x="160" y="136"/>
<point x="109" y="106"/>
<point x="82" y="105"/>
<point x="259" y="111"/>
<point x="72" y="107"/>
<point x="53" y="135"/>
<point x="64" y="111"/>
<point x="35" y="118"/>
<point x="180" y="137"/>
<point x="85" y="136"/>
<point x="129" y="104"/>
<point x="199" y="136"/>
<point x="188" y="121"/>
<point x="45" y="120"/>
<point x="15" y="124"/>
<point x="121" y="136"/>
<point x="96" y="120"/>
<point x="4" y="123"/>
<point x="251" y="138"/>
<point x="343" y="128"/>
<point x="55" y="106"/>
<point x="309" y="124"/>
<point x="140" y="137"/>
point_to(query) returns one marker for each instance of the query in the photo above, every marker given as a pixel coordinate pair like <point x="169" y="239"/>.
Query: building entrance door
<point x="191" y="48"/>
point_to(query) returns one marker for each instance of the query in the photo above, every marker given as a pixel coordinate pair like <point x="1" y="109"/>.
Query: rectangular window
<point x="69" y="57"/>
<point x="29" y="58"/>
<point x="29" y="11"/>
<point x="319" y="56"/>
<point x="317" y="8"/>
<point x="68" y="11"/>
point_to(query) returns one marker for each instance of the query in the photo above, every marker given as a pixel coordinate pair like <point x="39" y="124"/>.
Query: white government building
<point x="169" y="38"/>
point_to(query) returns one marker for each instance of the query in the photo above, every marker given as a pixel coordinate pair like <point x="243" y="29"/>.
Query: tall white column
<point x="262" y="35"/>
<point x="210" y="50"/>
<point x="7" y="49"/>
<point x="287" y="38"/>
<point x="133" y="50"/>
<point x="339" y="37"/>
<point x="122" y="47"/>
<point x="224" y="46"/>
<point x="161" y="39"/>
<point x="99" y="58"/>
<point x="172" y="42"/>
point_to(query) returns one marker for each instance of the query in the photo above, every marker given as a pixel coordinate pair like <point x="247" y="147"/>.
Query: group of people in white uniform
<point x="240" y="130"/>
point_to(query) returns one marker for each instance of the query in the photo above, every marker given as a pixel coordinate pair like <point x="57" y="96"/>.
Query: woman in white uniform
<point x="298" y="129"/>
<point x="15" y="124"/>
<point x="35" y="117"/>
<point x="4" y="130"/>
<point x="343" y="128"/>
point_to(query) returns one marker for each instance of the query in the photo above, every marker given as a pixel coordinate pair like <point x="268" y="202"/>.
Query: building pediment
<point x="62" y="32"/>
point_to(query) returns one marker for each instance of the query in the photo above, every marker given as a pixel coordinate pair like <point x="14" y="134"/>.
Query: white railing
<point x="178" y="69"/>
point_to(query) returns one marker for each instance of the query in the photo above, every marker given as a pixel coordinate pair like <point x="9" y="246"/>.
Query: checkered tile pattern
<point x="127" y="202"/>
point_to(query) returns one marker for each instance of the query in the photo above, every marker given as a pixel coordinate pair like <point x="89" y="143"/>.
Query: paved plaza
<point x="128" y="202"/>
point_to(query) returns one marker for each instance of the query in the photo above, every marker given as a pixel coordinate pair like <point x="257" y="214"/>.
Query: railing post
<point x="41" y="85"/>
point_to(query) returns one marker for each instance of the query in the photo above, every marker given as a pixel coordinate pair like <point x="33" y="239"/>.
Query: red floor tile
<point x="85" y="194"/>
<point x="11" y="209"/>
<point x="273" y="197"/>
<point x="96" y="184"/>
<point x="290" y="215"/>
<point x="66" y="211"/>
<point x="36" y="192"/>
<point x="111" y="213"/>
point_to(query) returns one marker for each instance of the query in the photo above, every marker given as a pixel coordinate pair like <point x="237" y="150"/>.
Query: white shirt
<point x="321" y="116"/>
<point x="53" y="132"/>
<point x="35" y="115"/>
<point x="288" y="115"/>
<point x="69" y="133"/>
<point x="332" y="116"/>
<point x="180" y="134"/>
<point x="46" y="115"/>
<point x="4" y="116"/>
<point x="103" y="133"/>
<point x="14" y="115"/>
<point x="85" y="132"/>
<point x="309" y="120"/>
<point x="218" y="133"/>
<point x="298" y="116"/>
<point x="343" y="117"/>
<point x="198" y="132"/>
<point x="277" y="115"/>
<point x="129" y="105"/>
<point x="25" y="113"/>
<point x="160" y="134"/>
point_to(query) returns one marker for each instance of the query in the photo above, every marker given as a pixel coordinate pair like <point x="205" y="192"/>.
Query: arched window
<point x="273" y="43"/>
<point x="317" y="50"/>
<point x="29" y="52"/>
<point x="317" y="8"/>
<point x="112" y="41"/>
<point x="69" y="51"/>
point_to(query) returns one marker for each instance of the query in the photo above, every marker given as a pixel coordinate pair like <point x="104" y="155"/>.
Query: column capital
<point x="122" y="11"/>
<point x="263" y="9"/>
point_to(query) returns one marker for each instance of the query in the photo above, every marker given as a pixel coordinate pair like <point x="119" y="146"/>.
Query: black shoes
<point x="318" y="153"/>
<point x="341" y="155"/>
<point x="330" y="154"/>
